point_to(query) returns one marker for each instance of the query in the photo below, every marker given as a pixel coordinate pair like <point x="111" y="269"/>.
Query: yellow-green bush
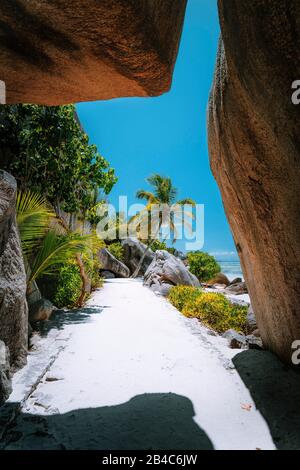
<point x="214" y="310"/>
<point x="180" y="295"/>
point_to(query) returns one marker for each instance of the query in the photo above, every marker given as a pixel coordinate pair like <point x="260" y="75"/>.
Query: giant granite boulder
<point x="57" y="52"/>
<point x="166" y="271"/>
<point x="237" y="288"/>
<point x="13" y="305"/>
<point x="254" y="130"/>
<point x="112" y="264"/>
<point x="133" y="252"/>
<point x="5" y="379"/>
<point x="219" y="279"/>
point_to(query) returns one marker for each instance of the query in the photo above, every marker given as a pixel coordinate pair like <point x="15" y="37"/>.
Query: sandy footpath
<point x="134" y="373"/>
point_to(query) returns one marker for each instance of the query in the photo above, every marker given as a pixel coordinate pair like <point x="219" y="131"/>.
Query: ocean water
<point x="232" y="269"/>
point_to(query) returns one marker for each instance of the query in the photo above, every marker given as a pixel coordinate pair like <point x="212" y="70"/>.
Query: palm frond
<point x="186" y="201"/>
<point x="155" y="180"/>
<point x="142" y="194"/>
<point x="33" y="218"/>
<point x="163" y="207"/>
<point x="56" y="250"/>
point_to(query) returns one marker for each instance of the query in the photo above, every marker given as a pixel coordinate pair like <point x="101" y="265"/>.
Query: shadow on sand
<point x="275" y="389"/>
<point x="151" y="421"/>
<point x="61" y="318"/>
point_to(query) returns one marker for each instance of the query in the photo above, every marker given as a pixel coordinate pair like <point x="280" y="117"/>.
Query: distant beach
<point x="232" y="269"/>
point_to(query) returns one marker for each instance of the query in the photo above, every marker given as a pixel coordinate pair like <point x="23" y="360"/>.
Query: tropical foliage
<point x="47" y="151"/>
<point x="54" y="251"/>
<point x="156" y="244"/>
<point x="163" y="196"/>
<point x="68" y="286"/>
<point x="162" y="210"/>
<point x="117" y="250"/>
<point x="203" y="265"/>
<point x="48" y="246"/>
<point x="62" y="180"/>
<point x="33" y="218"/>
<point x="160" y="245"/>
<point x="212" y="309"/>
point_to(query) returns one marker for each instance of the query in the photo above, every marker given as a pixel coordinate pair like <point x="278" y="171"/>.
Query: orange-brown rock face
<point x="58" y="51"/>
<point x="254" y="140"/>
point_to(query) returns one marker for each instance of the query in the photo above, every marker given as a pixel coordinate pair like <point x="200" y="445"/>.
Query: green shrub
<point x="96" y="279"/>
<point x="203" y="265"/>
<point x="92" y="267"/>
<point x="172" y="250"/>
<point x="117" y="250"/>
<point x="180" y="295"/>
<point x="159" y="245"/>
<point x="156" y="245"/>
<point x="68" y="286"/>
<point x="214" y="310"/>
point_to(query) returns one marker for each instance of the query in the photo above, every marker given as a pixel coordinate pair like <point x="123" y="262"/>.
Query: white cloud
<point x="223" y="253"/>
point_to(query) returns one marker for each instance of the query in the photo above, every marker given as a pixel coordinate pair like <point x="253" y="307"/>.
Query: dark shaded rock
<point x="13" y="306"/>
<point x="251" y="320"/>
<point x="34" y="294"/>
<point x="93" y="49"/>
<point x="166" y="271"/>
<point x="237" y="289"/>
<point x="253" y="138"/>
<point x="41" y="310"/>
<point x="237" y="280"/>
<point x="133" y="252"/>
<point x="107" y="275"/>
<point x="220" y="278"/>
<point x="235" y="340"/>
<point x="112" y="264"/>
<point x="254" y="342"/>
<point x="5" y="380"/>
<point x="47" y="286"/>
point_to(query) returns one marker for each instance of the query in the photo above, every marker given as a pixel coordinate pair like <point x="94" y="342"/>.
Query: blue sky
<point x="167" y="134"/>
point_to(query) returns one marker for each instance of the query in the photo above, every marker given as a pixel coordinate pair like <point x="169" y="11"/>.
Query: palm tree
<point x="46" y="242"/>
<point x="161" y="209"/>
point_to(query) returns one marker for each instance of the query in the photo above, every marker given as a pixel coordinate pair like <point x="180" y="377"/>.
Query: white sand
<point x="140" y="344"/>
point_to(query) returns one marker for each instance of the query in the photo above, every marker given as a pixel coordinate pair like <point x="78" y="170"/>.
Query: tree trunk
<point x="86" y="283"/>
